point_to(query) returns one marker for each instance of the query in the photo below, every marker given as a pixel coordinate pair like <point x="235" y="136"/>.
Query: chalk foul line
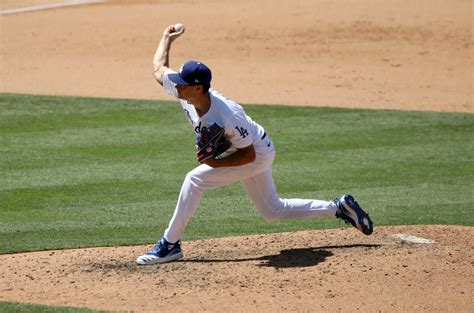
<point x="48" y="6"/>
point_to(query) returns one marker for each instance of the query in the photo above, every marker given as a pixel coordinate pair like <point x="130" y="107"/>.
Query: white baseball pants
<point x="257" y="179"/>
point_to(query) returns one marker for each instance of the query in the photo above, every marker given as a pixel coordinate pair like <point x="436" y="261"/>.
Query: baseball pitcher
<point x="230" y="147"/>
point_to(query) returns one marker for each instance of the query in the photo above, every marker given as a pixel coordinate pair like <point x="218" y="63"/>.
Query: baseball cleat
<point x="350" y="212"/>
<point x="162" y="252"/>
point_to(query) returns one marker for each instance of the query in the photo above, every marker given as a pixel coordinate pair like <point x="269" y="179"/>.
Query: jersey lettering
<point x="198" y="128"/>
<point x="242" y="131"/>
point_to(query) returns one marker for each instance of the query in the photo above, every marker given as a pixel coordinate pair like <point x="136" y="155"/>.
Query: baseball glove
<point x="211" y="142"/>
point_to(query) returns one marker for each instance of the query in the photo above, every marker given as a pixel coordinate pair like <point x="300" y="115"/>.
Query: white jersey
<point x="240" y="129"/>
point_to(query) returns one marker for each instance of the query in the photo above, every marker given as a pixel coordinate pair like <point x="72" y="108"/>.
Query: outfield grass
<point x="77" y="172"/>
<point x="9" y="307"/>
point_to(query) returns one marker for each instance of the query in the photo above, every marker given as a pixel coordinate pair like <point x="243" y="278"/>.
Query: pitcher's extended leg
<point x="261" y="190"/>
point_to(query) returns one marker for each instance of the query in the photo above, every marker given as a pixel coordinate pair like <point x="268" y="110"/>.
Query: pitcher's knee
<point x="272" y="209"/>
<point x="271" y="215"/>
<point x="193" y="177"/>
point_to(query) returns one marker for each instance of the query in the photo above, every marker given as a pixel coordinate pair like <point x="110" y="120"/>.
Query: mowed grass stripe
<point x="79" y="172"/>
<point x="34" y="308"/>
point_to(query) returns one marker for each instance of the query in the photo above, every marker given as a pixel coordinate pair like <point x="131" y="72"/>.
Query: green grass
<point x="30" y="308"/>
<point x="77" y="172"/>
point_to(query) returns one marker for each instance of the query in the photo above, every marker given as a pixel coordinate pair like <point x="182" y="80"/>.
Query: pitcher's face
<point x="188" y="93"/>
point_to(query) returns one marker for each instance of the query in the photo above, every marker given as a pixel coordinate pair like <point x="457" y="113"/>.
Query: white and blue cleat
<point x="350" y="212"/>
<point x="162" y="252"/>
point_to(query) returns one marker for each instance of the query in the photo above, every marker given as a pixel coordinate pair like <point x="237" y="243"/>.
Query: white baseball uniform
<point x="256" y="177"/>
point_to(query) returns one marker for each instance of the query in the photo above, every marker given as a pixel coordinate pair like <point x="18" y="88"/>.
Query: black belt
<point x="264" y="135"/>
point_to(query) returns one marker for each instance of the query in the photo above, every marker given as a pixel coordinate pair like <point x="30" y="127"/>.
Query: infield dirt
<point x="394" y="54"/>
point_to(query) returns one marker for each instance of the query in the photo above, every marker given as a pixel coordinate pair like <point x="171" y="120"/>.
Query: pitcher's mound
<point x="307" y="271"/>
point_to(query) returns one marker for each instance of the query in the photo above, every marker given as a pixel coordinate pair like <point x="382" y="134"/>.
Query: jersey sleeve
<point x="239" y="131"/>
<point x="168" y="86"/>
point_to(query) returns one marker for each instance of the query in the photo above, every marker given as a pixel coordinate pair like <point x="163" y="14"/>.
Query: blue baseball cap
<point x="192" y="73"/>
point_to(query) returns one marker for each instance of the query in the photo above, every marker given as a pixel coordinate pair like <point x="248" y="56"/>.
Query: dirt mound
<point x="328" y="270"/>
